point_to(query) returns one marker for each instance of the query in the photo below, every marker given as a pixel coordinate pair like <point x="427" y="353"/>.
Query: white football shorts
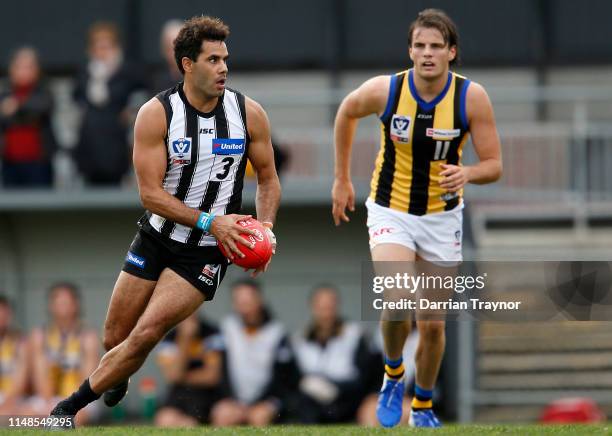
<point x="433" y="237"/>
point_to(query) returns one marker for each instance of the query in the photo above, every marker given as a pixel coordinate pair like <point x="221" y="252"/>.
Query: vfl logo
<point x="181" y="147"/>
<point x="400" y="128"/>
<point x="181" y="151"/>
<point x="457" y="238"/>
<point x="400" y="124"/>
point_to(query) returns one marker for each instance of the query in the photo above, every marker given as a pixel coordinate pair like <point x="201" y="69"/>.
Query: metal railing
<point x="564" y="157"/>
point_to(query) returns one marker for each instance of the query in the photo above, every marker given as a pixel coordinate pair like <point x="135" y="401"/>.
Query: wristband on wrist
<point x="204" y="222"/>
<point x="271" y="224"/>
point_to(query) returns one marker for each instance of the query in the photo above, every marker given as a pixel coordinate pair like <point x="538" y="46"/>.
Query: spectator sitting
<point x="13" y="365"/>
<point x="103" y="91"/>
<point x="334" y="357"/>
<point x="190" y="360"/>
<point x="27" y="140"/>
<point x="169" y="75"/>
<point x="260" y="370"/>
<point x="64" y="352"/>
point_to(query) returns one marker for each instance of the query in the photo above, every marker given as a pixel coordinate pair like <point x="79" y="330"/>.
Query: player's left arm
<point x="261" y="156"/>
<point x="486" y="143"/>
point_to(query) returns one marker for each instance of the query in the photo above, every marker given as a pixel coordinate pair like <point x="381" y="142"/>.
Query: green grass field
<point x="294" y="430"/>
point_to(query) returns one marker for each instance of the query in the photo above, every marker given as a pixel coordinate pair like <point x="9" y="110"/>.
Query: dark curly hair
<point x="437" y="19"/>
<point x="188" y="43"/>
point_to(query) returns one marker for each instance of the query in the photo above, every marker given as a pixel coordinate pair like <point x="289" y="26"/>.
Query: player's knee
<point x="109" y="340"/>
<point x="432" y="331"/>
<point x="111" y="336"/>
<point x="143" y="339"/>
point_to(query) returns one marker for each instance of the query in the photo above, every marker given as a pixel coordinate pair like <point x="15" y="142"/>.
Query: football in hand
<point x="257" y="256"/>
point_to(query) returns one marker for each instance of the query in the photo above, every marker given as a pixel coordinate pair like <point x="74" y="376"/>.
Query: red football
<point x="257" y="256"/>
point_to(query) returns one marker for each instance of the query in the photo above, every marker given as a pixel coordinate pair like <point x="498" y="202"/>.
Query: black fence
<point x="333" y="34"/>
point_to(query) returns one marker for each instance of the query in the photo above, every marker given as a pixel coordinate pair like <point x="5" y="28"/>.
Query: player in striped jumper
<point x="415" y="205"/>
<point x="191" y="145"/>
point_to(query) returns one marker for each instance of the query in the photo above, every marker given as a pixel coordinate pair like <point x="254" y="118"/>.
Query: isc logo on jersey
<point x="180" y="151"/>
<point x="208" y="273"/>
<point x="400" y="128"/>
<point x="227" y="146"/>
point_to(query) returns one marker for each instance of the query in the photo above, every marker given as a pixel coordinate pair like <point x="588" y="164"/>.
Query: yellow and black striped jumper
<point x="9" y="359"/>
<point x="417" y="137"/>
<point x="65" y="353"/>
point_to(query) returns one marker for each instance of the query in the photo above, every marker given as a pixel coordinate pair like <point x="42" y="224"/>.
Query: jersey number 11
<point x="441" y="150"/>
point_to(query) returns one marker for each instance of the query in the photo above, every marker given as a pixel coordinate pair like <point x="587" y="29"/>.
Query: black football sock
<point x="79" y="399"/>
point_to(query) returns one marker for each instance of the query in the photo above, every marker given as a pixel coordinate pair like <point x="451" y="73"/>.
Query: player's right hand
<point x="226" y="230"/>
<point x="343" y="196"/>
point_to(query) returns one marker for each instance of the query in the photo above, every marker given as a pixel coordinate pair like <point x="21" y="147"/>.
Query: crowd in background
<point x="104" y="91"/>
<point x="39" y="369"/>
<point x="248" y="370"/>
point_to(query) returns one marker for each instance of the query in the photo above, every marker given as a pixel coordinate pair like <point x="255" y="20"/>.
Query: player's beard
<point x="214" y="92"/>
<point x="211" y="93"/>
<point x="209" y="88"/>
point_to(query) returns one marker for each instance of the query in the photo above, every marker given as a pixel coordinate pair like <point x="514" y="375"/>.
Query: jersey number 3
<point x="227" y="165"/>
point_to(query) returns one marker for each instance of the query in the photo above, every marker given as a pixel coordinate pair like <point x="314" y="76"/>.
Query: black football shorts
<point x="150" y="254"/>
